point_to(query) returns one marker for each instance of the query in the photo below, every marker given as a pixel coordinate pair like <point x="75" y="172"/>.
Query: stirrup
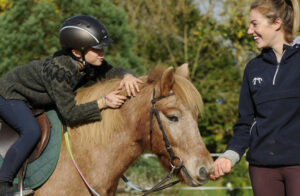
<point x="26" y="191"/>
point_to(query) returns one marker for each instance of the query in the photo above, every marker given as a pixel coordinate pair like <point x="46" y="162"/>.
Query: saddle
<point x="8" y="136"/>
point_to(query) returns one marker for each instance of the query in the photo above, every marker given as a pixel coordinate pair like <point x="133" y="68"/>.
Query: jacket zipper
<point x="277" y="69"/>
<point x="252" y="127"/>
<point x="275" y="75"/>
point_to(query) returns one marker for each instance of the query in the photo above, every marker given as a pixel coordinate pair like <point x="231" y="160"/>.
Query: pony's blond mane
<point x="112" y="121"/>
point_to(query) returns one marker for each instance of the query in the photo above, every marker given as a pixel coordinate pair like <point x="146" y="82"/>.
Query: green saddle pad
<point x="41" y="169"/>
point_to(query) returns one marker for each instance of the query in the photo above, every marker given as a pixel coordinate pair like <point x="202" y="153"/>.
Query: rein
<point x="159" y="186"/>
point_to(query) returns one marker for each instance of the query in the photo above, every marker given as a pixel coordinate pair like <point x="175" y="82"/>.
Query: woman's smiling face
<point x="262" y="30"/>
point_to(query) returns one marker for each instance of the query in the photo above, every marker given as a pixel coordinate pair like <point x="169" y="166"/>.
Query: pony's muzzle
<point x="203" y="173"/>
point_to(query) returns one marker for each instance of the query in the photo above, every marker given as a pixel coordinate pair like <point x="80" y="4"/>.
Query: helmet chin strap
<point x="87" y="67"/>
<point x="83" y="57"/>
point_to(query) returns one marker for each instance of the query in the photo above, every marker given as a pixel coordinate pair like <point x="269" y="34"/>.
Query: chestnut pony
<point x="104" y="150"/>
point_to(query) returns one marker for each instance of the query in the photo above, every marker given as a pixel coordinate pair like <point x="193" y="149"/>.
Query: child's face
<point x="94" y="56"/>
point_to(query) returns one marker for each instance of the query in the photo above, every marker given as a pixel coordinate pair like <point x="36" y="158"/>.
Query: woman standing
<point x="269" y="105"/>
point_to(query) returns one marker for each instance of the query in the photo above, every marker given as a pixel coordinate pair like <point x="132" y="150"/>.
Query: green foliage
<point x="219" y="89"/>
<point x="163" y="29"/>
<point x="22" y="38"/>
<point x="4" y="5"/>
<point x="145" y="168"/>
<point x="234" y="28"/>
<point x="31" y="30"/>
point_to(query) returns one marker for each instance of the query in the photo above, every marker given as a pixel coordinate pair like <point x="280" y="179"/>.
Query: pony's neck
<point x="136" y="114"/>
<point x="114" y="158"/>
<point x="131" y="142"/>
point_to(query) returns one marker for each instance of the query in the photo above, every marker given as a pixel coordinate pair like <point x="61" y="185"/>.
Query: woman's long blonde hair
<point x="287" y="10"/>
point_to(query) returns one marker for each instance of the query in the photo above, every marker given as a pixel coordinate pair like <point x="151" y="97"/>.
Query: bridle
<point x="154" y="112"/>
<point x="160" y="186"/>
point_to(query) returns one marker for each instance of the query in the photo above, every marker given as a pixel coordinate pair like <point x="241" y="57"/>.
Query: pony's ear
<point x="183" y="71"/>
<point x="167" y="81"/>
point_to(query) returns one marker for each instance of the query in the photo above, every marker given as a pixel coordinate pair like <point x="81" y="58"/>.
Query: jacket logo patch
<point x="257" y="80"/>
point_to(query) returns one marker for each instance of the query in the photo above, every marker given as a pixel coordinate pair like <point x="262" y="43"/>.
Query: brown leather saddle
<point x="8" y="136"/>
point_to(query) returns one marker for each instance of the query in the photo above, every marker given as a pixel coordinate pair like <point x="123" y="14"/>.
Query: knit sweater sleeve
<point x="60" y="84"/>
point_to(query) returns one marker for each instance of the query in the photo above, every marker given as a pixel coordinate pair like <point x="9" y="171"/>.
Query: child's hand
<point x="131" y="84"/>
<point x="114" y="100"/>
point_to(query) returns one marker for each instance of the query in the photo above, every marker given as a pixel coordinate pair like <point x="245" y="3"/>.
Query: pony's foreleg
<point x="112" y="191"/>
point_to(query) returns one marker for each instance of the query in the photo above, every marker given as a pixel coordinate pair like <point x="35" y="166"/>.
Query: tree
<point x="4" y="5"/>
<point x="29" y="30"/>
<point x="163" y="29"/>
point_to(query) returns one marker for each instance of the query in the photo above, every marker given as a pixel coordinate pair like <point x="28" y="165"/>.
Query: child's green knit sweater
<point x="53" y="81"/>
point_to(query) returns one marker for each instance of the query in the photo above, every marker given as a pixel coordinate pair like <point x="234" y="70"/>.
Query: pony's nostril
<point x="203" y="173"/>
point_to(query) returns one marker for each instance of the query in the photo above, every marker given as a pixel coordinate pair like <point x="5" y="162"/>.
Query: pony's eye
<point x="172" y="118"/>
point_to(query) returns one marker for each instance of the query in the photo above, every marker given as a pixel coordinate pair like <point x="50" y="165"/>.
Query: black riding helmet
<point x="82" y="32"/>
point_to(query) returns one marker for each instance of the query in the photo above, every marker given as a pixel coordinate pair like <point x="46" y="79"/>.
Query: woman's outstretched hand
<point x="131" y="84"/>
<point x="222" y="166"/>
